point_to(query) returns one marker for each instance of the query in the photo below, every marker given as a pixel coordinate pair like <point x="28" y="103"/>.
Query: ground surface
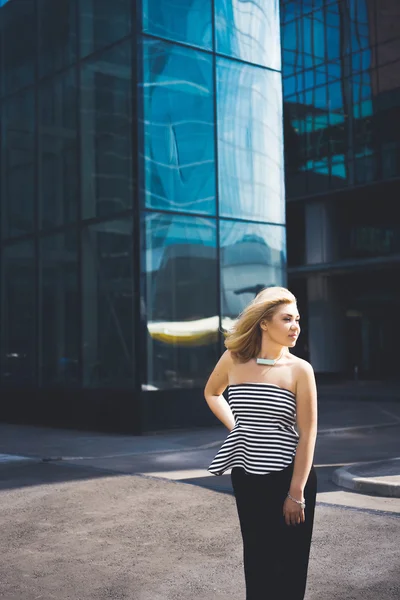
<point x="75" y="533"/>
<point x="127" y="518"/>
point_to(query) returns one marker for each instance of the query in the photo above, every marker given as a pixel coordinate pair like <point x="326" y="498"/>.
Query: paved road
<point x="72" y="532"/>
<point x="332" y="451"/>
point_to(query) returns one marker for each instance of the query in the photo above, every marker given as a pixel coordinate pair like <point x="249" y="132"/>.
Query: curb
<point x="347" y="477"/>
<point x="15" y="459"/>
<point x="355" y="428"/>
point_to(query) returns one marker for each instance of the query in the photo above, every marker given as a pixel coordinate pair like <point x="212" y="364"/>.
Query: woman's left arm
<point x="307" y="418"/>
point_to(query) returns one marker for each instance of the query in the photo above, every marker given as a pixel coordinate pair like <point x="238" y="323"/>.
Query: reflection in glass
<point x="333" y="31"/>
<point x="57" y="34"/>
<point x="340" y="171"/>
<point x="365" y="167"/>
<point x="361" y="61"/>
<point x="179" y="271"/>
<point x="58" y="150"/>
<point x="292" y="57"/>
<point x="107" y="287"/>
<point x="106" y="123"/>
<point x="59" y="310"/>
<point x="18" y="349"/>
<point x="18" y="32"/>
<point x="103" y="22"/>
<point x="178" y="128"/>
<point x="253" y="256"/>
<point x="179" y="20"/>
<point x="250" y="142"/>
<point x="313" y="41"/>
<point x="338" y="139"/>
<point x="249" y="30"/>
<point x="18" y="158"/>
<point x="361" y="36"/>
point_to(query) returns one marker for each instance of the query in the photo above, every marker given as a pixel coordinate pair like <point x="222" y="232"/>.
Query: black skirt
<point x="275" y="555"/>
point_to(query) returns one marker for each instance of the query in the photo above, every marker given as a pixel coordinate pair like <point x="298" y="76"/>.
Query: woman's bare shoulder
<point x="229" y="358"/>
<point x="300" y="365"/>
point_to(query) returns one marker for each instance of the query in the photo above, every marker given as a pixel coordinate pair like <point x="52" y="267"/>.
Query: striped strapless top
<point x="264" y="438"/>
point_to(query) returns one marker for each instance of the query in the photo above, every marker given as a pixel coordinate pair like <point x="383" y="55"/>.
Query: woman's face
<point x="284" y="327"/>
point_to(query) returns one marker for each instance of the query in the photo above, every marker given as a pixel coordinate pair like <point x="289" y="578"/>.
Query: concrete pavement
<point x="90" y="516"/>
<point x="70" y="532"/>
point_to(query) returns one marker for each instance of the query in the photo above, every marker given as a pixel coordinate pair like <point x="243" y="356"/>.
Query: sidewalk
<point x="381" y="477"/>
<point x="336" y="418"/>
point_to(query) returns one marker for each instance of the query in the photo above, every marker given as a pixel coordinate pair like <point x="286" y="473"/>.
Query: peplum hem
<point x="237" y="450"/>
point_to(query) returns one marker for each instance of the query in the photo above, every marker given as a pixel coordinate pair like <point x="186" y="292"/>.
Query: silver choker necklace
<point x="268" y="361"/>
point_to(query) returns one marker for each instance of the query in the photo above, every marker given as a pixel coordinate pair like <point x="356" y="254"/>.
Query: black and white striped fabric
<point x="264" y="438"/>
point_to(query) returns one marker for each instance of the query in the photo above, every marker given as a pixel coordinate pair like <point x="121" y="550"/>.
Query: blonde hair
<point x="244" y="339"/>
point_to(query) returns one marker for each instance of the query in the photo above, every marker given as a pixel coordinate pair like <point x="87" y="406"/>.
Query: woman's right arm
<point x="216" y="385"/>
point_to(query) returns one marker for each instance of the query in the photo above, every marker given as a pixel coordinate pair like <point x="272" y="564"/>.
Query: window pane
<point x="253" y="257"/>
<point x="178" y="128"/>
<point x="107" y="285"/>
<point x="180" y="20"/>
<point x="333" y="31"/>
<point x="250" y="146"/>
<point x="58" y="150"/>
<point x="18" y="315"/>
<point x="103" y="22"/>
<point x="180" y="278"/>
<point x="60" y="310"/>
<point x="106" y="133"/>
<point x="17" y="22"/>
<point x="362" y="31"/>
<point x="249" y="30"/>
<point x="57" y="34"/>
<point x="18" y="157"/>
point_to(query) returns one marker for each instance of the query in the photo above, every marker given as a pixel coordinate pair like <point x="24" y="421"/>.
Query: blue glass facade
<point x="142" y="199"/>
<point x="341" y="86"/>
<point x="341" y="64"/>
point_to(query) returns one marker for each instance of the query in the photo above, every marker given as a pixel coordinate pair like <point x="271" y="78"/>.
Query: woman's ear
<point x="263" y="325"/>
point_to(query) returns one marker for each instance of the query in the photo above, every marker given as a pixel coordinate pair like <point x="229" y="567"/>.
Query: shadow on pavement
<point x="35" y="474"/>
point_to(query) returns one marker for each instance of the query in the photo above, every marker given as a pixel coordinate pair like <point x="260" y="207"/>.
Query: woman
<point x="273" y="476"/>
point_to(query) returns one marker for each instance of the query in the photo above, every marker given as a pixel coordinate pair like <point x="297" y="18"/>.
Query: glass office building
<point x="142" y="202"/>
<point x="341" y="83"/>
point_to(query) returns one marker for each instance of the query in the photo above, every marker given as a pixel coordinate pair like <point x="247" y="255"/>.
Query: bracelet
<point x="302" y="504"/>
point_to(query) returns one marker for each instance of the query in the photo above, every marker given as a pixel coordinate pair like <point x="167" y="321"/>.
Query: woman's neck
<point x="271" y="350"/>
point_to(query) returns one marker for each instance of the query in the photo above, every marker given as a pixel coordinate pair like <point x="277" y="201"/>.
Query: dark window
<point x="107" y="304"/>
<point x="57" y="34"/>
<point x="106" y="125"/>
<point x="296" y="234"/>
<point x="18" y="164"/>
<point x="18" y="352"/>
<point x="103" y="22"/>
<point x="58" y="150"/>
<point x="59" y="310"/>
<point x="18" y="30"/>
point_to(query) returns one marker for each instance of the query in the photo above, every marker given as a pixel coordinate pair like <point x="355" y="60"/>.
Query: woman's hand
<point x="293" y="513"/>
